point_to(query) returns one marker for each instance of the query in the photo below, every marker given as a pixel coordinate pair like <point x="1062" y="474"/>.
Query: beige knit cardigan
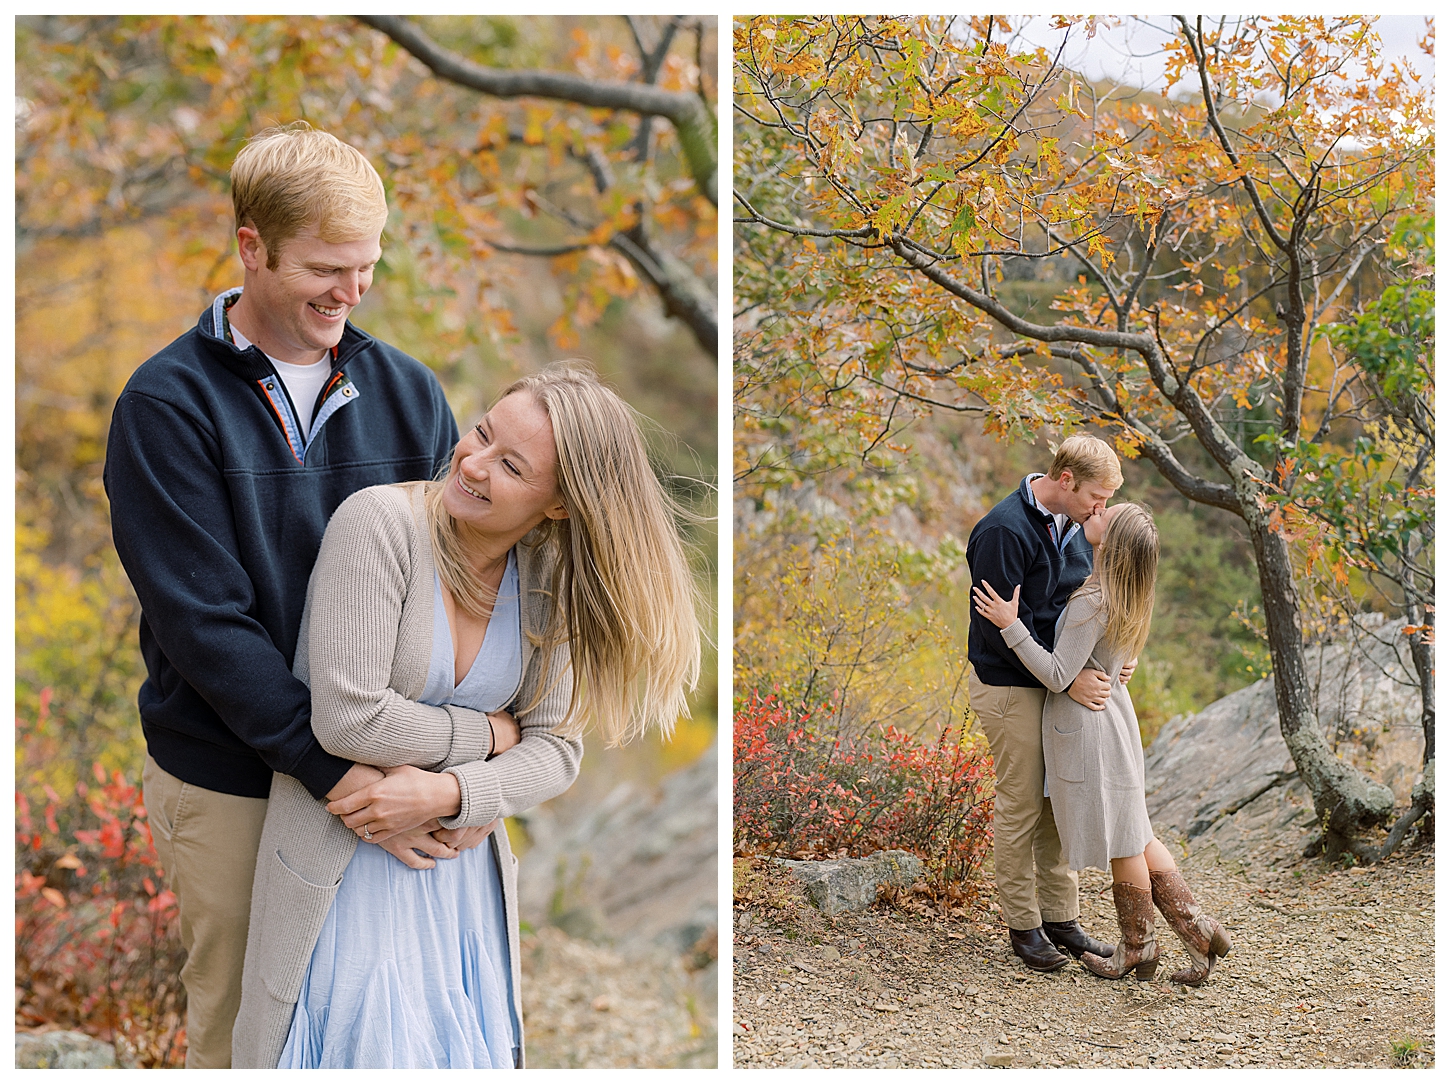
<point x="367" y="635"/>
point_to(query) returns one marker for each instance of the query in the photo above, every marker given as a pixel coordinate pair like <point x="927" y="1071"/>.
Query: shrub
<point x="845" y="624"/>
<point x="96" y="948"/>
<point x="807" y="794"/>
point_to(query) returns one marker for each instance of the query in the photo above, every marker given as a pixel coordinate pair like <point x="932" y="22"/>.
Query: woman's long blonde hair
<point x="624" y="598"/>
<point x="1126" y="567"/>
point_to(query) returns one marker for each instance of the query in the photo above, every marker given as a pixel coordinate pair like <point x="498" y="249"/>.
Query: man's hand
<point x="1090" y="689"/>
<point x="506" y="733"/>
<point x="404" y="798"/>
<point x="357" y="777"/>
<point x="1126" y="673"/>
<point x="464" y="839"/>
<point x="401" y="846"/>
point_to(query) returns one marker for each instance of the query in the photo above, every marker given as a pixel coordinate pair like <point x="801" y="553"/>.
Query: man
<point x="1034" y="538"/>
<point x="228" y="452"/>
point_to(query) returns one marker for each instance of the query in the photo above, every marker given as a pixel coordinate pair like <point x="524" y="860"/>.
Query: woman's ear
<point x="558" y="511"/>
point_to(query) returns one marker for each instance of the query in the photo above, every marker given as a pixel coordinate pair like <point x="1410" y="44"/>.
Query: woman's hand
<point x="1001" y="612"/>
<point x="506" y="732"/>
<point x="403" y="799"/>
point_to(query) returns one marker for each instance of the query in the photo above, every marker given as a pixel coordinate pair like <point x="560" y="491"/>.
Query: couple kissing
<point x="1062" y="601"/>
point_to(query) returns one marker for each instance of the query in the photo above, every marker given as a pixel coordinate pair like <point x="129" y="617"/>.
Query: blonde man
<point x="228" y="452"/>
<point x="1033" y="540"/>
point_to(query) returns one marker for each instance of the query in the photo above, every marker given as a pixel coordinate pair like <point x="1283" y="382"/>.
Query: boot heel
<point x="1220" y="945"/>
<point x="1147" y="969"/>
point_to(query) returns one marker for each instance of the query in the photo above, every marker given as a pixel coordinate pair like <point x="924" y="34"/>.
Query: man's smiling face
<point x="299" y="308"/>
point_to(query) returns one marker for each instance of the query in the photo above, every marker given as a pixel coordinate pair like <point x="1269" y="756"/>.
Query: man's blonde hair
<point x="1090" y="459"/>
<point x="289" y="178"/>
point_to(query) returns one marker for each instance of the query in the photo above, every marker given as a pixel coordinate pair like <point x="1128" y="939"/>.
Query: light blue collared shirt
<point x="1059" y="519"/>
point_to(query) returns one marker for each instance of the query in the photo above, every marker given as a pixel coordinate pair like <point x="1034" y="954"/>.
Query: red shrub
<point x="804" y="793"/>
<point x="95" y="926"/>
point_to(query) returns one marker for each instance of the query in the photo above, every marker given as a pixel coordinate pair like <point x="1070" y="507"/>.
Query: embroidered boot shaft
<point x="1138" y="949"/>
<point x="1201" y="934"/>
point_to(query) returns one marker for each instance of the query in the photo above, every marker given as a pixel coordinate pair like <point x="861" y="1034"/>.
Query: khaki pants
<point x="1033" y="882"/>
<point x="207" y="843"/>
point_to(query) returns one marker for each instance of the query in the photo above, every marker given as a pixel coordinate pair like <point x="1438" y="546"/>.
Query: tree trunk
<point x="1346" y="801"/>
<point x="1422" y="651"/>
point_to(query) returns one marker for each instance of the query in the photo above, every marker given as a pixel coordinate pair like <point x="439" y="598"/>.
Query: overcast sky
<point x="1131" y="54"/>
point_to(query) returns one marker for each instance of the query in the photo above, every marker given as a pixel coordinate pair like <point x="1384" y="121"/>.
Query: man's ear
<point x="1065" y="480"/>
<point x="251" y="249"/>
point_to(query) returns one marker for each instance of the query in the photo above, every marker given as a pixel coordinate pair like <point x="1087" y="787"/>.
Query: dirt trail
<point x="1331" y="968"/>
<point x="588" y="1006"/>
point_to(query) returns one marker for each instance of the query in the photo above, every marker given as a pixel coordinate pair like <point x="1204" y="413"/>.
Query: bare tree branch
<point x="684" y="295"/>
<point x="692" y="122"/>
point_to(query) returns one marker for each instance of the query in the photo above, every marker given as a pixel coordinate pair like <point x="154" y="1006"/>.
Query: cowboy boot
<point x="1070" y="937"/>
<point x="1138" y="950"/>
<point x="1201" y="934"/>
<point x="1034" y="949"/>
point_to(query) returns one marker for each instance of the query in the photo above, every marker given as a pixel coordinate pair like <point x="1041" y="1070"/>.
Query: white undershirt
<point x="303" y="381"/>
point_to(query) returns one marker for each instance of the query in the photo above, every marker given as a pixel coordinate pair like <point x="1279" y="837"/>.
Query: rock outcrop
<point x="850" y="884"/>
<point x="62" y="1050"/>
<point x="1225" y="775"/>
<point x="638" y="870"/>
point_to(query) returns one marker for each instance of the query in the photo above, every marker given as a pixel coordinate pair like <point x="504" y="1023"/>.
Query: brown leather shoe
<point x="1072" y="938"/>
<point x="1138" y="950"/>
<point x="1202" y="935"/>
<point x="1035" y="950"/>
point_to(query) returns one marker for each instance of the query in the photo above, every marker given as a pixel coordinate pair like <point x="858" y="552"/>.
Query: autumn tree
<point x="130" y="114"/>
<point x="1368" y="509"/>
<point x="931" y="212"/>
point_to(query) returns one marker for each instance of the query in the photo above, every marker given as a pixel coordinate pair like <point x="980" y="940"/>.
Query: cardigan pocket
<point x="1067" y="749"/>
<point x="286" y="942"/>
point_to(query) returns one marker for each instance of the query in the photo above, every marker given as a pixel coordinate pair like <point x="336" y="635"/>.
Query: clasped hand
<point x="434" y="841"/>
<point x="402" y="799"/>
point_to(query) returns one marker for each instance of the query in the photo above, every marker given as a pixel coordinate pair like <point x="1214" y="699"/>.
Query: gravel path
<point x="1331" y="968"/>
<point x="589" y="1007"/>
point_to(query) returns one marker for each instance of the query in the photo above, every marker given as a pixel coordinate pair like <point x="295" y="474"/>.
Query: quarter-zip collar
<point x="252" y="363"/>
<point x="298" y="424"/>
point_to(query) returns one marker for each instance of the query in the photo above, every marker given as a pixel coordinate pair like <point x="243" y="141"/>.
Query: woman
<point x="1094" y="759"/>
<point x="543" y="575"/>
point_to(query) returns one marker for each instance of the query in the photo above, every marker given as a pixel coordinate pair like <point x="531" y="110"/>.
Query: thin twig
<point x="1105" y="1046"/>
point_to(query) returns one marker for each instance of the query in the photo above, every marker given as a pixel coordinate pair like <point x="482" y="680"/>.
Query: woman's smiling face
<point x="503" y="480"/>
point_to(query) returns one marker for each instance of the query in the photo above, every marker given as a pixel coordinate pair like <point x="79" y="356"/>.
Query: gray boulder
<point x="1225" y="776"/>
<point x="851" y="884"/>
<point x="62" y="1050"/>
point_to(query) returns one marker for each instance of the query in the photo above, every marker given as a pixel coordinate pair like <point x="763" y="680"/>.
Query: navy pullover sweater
<point x="1012" y="544"/>
<point x="220" y="491"/>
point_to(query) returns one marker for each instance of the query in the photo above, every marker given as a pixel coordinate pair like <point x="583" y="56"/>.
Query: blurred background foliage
<point x="126" y="127"/>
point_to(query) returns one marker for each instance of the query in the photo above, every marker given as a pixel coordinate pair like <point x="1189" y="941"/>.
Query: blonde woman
<point x="1095" y="758"/>
<point x="460" y="635"/>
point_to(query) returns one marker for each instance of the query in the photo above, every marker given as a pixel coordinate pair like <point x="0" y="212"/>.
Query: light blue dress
<point x="412" y="967"/>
